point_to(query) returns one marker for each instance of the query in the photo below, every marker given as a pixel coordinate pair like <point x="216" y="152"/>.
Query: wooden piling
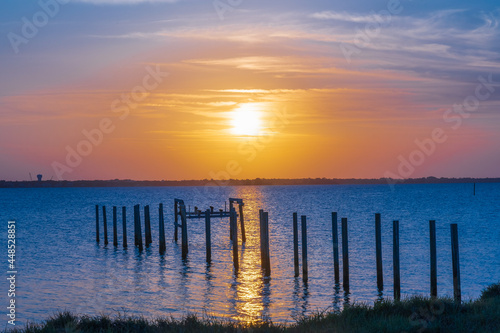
<point x="261" y="230"/>
<point x="161" y="229"/>
<point x="395" y="256"/>
<point x="335" y="236"/>
<point x="97" y="223"/>
<point x="432" y="236"/>
<point x="234" y="236"/>
<point x="136" y="240"/>
<point x="267" y="260"/>
<point x="105" y="221"/>
<point x="345" y="255"/>
<point x="124" y="226"/>
<point x="295" y="245"/>
<point x="176" y="221"/>
<point x="137" y="218"/>
<point x="378" y="250"/>
<point x="147" y="226"/>
<point x="231" y="225"/>
<point x="242" y="223"/>
<point x="305" y="274"/>
<point x="115" y="227"/>
<point x="208" y="236"/>
<point x="185" y="245"/>
<point x="457" y="293"/>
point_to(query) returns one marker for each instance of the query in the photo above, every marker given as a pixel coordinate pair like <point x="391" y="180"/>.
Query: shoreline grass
<point x="415" y="314"/>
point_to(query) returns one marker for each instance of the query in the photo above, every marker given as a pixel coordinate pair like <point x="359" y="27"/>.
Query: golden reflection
<point x="252" y="291"/>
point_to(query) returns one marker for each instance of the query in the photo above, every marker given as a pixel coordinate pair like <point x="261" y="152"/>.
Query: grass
<point x="415" y="314"/>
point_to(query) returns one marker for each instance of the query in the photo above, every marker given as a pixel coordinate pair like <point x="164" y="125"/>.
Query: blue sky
<point x="458" y="28"/>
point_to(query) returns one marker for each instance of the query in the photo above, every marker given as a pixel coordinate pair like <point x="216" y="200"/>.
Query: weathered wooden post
<point x="267" y="266"/>
<point x="115" y="227"/>
<point x="261" y="230"/>
<point x="345" y="255"/>
<point x="378" y="251"/>
<point x="231" y="225"/>
<point x="242" y="223"/>
<point x="264" y="243"/>
<point x="432" y="236"/>
<point x="208" y="236"/>
<point x="97" y="223"/>
<point x="161" y="229"/>
<point x="105" y="221"/>
<point x="137" y="217"/>
<point x="176" y="221"/>
<point x="335" y="236"/>
<point x="185" y="246"/>
<point x="124" y="226"/>
<point x="457" y="293"/>
<point x="305" y="274"/>
<point x="136" y="237"/>
<point x="147" y="226"/>
<point x="295" y="245"/>
<point x="234" y="236"/>
<point x="395" y="256"/>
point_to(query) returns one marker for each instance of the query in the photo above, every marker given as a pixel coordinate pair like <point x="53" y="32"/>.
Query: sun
<point x="246" y="120"/>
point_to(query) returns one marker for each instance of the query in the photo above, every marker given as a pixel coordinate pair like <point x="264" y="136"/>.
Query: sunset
<point x="190" y="81"/>
<point x="250" y="132"/>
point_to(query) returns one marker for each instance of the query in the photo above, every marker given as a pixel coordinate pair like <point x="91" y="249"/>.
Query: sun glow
<point x="246" y="120"/>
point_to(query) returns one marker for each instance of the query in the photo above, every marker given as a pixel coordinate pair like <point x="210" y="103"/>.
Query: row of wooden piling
<point x="264" y="243"/>
<point x="137" y="227"/>
<point x="180" y="211"/>
<point x="378" y="254"/>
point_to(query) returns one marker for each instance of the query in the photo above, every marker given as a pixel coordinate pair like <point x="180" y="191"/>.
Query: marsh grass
<point x="415" y="314"/>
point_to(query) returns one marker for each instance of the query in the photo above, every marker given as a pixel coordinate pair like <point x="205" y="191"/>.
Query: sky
<point x="188" y="89"/>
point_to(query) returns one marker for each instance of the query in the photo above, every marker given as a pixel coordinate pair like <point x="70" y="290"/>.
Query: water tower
<point x="39" y="177"/>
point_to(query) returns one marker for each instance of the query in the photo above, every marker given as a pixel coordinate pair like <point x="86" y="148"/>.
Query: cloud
<point x="347" y="17"/>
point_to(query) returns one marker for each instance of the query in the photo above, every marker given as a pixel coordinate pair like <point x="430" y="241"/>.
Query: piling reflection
<point x="347" y="298"/>
<point x="162" y="272"/>
<point x="337" y="298"/>
<point x="184" y="280"/>
<point x="300" y="299"/>
<point x="138" y="271"/>
<point x="380" y="296"/>
<point x="209" y="290"/>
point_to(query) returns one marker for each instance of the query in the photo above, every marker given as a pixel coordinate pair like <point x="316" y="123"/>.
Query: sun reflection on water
<point x="252" y="289"/>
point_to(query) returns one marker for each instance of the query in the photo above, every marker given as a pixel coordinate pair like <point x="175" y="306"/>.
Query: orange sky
<point x="318" y="115"/>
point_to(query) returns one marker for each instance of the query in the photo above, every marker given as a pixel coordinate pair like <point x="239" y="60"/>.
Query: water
<point x="60" y="266"/>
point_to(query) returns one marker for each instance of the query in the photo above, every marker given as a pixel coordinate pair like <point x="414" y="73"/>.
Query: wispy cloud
<point x="347" y="17"/>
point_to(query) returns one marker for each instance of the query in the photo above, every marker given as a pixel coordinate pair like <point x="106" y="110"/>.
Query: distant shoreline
<point x="237" y="182"/>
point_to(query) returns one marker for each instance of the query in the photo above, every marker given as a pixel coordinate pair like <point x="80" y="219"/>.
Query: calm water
<point x="61" y="267"/>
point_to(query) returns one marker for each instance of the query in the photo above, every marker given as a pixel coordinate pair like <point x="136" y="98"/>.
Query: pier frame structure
<point x="181" y="215"/>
